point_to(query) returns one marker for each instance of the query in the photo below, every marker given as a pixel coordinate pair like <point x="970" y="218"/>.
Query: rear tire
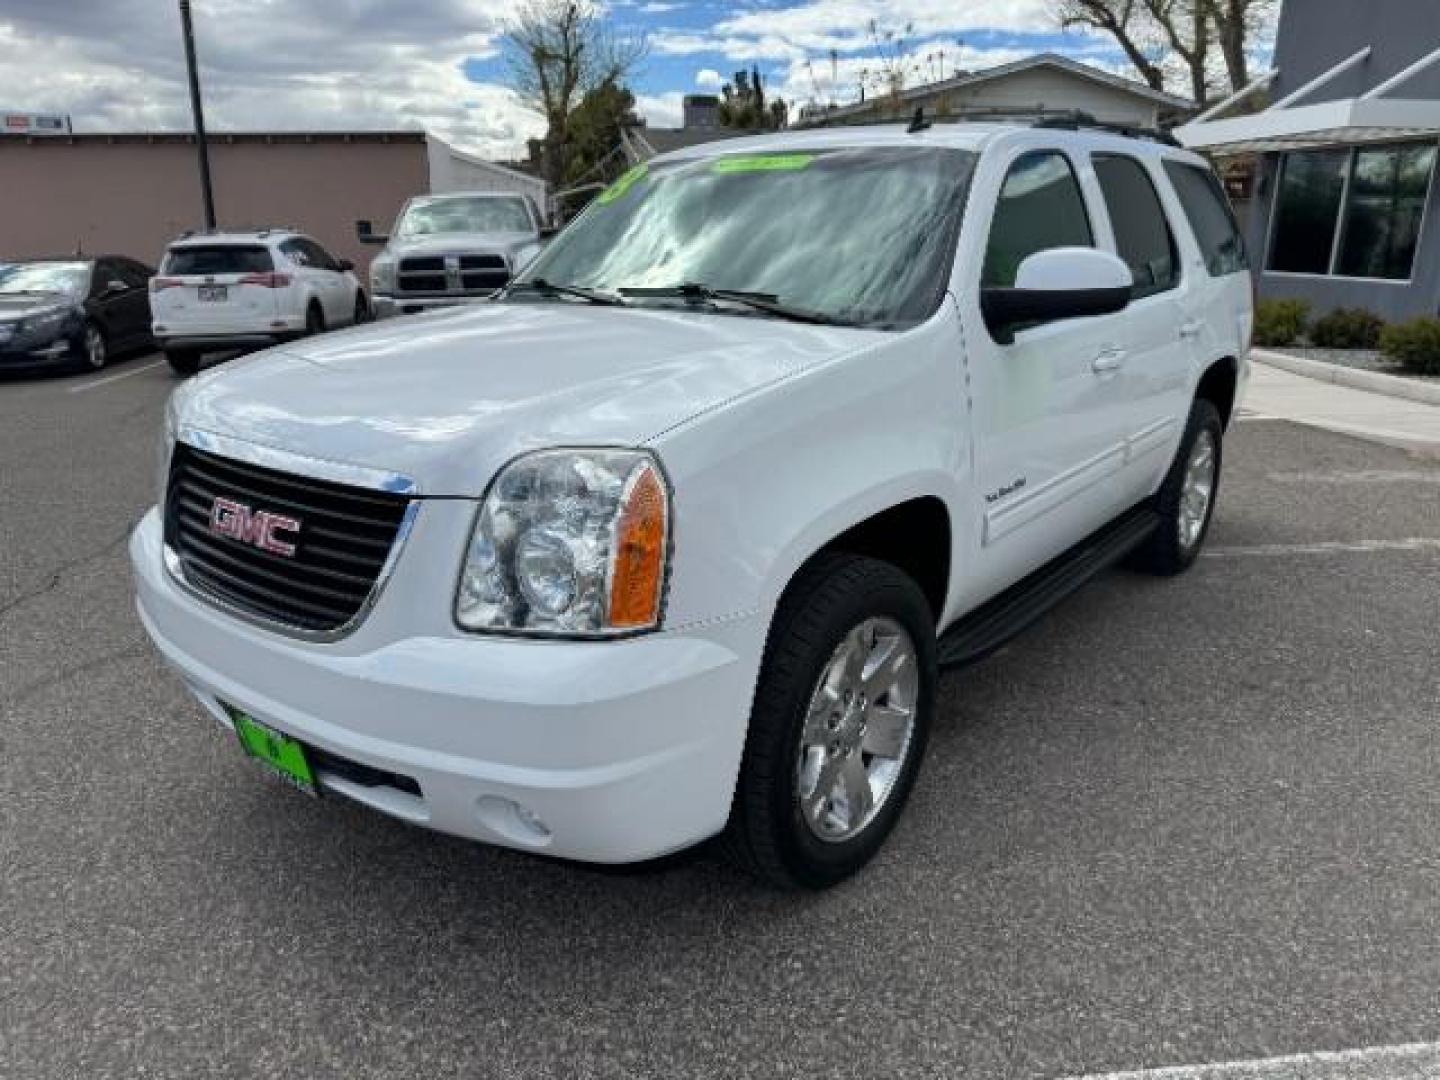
<point x="183" y="361"/>
<point x="362" y="309"/>
<point x="314" y="320"/>
<point x="1186" y="500"/>
<point x="823" y="728"/>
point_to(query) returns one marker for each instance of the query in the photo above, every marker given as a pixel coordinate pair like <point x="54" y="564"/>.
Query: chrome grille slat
<point x="342" y="547"/>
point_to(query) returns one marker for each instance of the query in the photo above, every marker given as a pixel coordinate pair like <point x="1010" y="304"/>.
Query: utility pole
<point x="198" y="111"/>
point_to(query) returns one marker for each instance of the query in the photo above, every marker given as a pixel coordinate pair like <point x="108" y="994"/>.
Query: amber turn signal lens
<point x="642" y="532"/>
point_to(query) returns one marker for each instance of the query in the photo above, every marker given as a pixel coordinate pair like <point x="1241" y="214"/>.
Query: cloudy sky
<point x="334" y="64"/>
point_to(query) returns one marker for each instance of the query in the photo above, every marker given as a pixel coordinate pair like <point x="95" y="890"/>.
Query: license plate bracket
<point x="276" y="752"/>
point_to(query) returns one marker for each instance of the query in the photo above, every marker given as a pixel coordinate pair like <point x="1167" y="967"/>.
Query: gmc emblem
<point x="258" y="528"/>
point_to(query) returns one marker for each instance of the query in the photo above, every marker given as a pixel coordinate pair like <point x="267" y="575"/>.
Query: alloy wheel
<point x="1197" y="489"/>
<point x="858" y="729"/>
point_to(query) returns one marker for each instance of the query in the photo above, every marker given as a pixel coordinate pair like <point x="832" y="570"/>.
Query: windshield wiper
<point x="757" y="301"/>
<point x="541" y="287"/>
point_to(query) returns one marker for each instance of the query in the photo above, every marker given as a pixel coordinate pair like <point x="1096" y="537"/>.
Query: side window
<point x="104" y="272"/>
<point x="1040" y="207"/>
<point x="1142" y="232"/>
<point x="132" y="273"/>
<point x="1209" y="214"/>
<point x="319" y="257"/>
<point x="295" y="251"/>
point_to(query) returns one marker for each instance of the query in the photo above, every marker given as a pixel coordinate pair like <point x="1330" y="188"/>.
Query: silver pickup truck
<point x="451" y="249"/>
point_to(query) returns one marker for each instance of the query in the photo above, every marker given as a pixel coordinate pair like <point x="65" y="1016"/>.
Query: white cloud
<point x="661" y="110"/>
<point x="280" y="64"/>
<point x="656" y="7"/>
<point x="709" y="78"/>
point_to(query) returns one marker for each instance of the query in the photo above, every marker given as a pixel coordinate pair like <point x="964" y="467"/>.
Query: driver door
<point x="1048" y="409"/>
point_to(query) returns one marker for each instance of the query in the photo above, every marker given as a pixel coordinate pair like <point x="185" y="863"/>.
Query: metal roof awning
<point x="1285" y="125"/>
<point x="1331" y="123"/>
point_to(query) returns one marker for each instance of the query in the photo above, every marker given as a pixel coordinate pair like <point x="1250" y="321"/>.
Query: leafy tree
<point x="595" y="133"/>
<point x="557" y="52"/>
<point x="743" y="104"/>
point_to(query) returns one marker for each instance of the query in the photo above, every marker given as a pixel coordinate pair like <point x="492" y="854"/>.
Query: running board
<point x="995" y="622"/>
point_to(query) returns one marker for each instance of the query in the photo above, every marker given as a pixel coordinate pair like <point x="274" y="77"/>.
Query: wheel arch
<point x="1218" y="385"/>
<point x="914" y="534"/>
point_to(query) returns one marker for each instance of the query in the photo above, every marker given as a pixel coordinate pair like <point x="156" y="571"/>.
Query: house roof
<point x="654" y="141"/>
<point x="1040" y="60"/>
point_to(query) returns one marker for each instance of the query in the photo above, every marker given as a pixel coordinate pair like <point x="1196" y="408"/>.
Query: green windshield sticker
<point x="763" y="163"/>
<point x="618" y="189"/>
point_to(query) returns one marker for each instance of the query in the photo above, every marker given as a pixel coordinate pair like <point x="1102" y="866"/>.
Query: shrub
<point x="1415" y="344"/>
<point x="1347" y="328"/>
<point x="1280" y="322"/>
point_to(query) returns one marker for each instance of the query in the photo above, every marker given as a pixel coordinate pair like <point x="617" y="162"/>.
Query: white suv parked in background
<point x="672" y="538"/>
<point x="220" y="291"/>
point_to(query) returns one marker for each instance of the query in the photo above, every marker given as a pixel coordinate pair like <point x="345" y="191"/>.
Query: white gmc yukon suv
<point x="670" y="540"/>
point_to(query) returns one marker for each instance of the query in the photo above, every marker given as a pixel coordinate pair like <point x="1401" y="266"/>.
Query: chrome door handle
<point x="1107" y="360"/>
<point x="1191" y="329"/>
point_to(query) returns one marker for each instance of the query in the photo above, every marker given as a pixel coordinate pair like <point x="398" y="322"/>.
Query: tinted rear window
<point x="219" y="259"/>
<point x="1142" y="232"/>
<point x="1208" y="212"/>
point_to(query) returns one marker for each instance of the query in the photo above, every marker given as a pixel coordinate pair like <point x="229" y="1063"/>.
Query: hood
<point x="460" y="244"/>
<point x="18" y="305"/>
<point x="446" y="399"/>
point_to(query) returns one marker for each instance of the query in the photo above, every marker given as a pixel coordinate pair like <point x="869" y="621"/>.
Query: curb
<point x="1372" y="381"/>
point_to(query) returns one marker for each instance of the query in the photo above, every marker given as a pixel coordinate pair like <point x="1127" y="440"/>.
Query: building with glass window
<point x="1345" y="150"/>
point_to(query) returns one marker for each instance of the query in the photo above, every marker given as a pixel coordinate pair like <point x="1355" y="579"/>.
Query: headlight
<point x="168" y="433"/>
<point x="42" y="322"/>
<point x="382" y="275"/>
<point x="569" y="543"/>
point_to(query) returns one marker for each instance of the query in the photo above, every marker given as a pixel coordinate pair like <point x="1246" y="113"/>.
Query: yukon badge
<point x="258" y="528"/>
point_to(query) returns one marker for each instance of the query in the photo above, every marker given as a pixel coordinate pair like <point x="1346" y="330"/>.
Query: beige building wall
<point x="133" y="194"/>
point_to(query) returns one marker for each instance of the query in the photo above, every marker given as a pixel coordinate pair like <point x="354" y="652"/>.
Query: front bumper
<point x="26" y="356"/>
<point x="386" y="307"/>
<point x="622" y="750"/>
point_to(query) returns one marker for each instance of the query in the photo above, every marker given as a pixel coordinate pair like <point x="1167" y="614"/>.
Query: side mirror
<point x="365" y="232"/>
<point x="1062" y="283"/>
<point x="344" y="265"/>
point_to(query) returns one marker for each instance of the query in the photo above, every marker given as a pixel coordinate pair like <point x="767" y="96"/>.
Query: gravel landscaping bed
<point x="1363" y="359"/>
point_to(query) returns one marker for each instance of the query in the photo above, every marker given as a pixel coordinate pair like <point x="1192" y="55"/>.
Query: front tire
<point x="1186" y="500"/>
<point x="183" y="362"/>
<point x="94" y="350"/>
<point x="841" y="717"/>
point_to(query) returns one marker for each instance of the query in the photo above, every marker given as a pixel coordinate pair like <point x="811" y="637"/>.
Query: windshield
<point x="482" y="214"/>
<point x="61" y="277"/>
<point x="857" y="235"/>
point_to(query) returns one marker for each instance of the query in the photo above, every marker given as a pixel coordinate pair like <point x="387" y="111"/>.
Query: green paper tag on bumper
<point x="277" y="752"/>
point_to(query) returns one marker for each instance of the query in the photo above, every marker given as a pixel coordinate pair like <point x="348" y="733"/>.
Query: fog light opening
<point x="516" y="823"/>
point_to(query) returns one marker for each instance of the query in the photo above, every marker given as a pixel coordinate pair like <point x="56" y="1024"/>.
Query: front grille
<point x="476" y="274"/>
<point x="341" y="546"/>
<point x="484" y="272"/>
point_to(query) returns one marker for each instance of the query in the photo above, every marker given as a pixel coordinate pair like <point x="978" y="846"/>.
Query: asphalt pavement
<point x="1181" y="821"/>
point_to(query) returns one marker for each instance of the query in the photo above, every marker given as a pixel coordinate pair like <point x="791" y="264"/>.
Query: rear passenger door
<point x="1153" y="372"/>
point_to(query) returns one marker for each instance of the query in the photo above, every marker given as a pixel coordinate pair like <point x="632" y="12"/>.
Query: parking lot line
<point x="1411" y="1061"/>
<point x="1327" y="547"/>
<point x="97" y="383"/>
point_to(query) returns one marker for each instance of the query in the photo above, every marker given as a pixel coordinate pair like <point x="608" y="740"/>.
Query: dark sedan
<point x="72" y="312"/>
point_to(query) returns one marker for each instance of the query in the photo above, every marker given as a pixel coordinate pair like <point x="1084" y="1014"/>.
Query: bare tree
<point x="1152" y="31"/>
<point x="1124" y="20"/>
<point x="557" y="51"/>
<point x="1236" y="23"/>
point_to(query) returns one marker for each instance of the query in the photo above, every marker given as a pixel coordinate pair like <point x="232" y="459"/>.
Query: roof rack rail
<point x="1078" y="120"/>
